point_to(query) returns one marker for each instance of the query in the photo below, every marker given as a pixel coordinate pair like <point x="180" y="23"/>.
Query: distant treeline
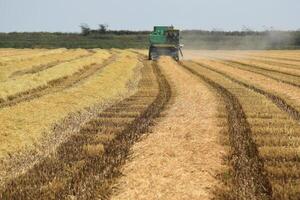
<point x="192" y="39"/>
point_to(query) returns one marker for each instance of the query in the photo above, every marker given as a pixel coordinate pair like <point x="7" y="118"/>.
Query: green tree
<point x="103" y="28"/>
<point x="85" y="29"/>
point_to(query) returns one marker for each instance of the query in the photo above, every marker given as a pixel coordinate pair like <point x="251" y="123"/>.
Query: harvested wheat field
<point x="109" y="124"/>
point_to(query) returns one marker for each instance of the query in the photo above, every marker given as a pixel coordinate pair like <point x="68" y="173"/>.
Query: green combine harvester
<point x="164" y="41"/>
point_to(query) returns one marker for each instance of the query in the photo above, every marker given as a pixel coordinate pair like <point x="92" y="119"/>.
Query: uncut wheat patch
<point x="7" y="52"/>
<point x="18" y="68"/>
<point x="22" y="59"/>
<point x="40" y="79"/>
<point x="30" y="54"/>
<point x="13" y="52"/>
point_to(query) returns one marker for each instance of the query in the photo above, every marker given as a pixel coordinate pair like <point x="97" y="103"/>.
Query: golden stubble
<point x="182" y="155"/>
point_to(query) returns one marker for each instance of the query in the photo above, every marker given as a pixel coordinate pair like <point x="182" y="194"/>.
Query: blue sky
<point x="67" y="15"/>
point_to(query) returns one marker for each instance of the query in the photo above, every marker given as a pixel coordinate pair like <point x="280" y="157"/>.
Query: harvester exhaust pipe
<point x="180" y="49"/>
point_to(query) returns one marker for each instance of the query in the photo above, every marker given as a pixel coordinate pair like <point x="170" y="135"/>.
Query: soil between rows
<point x="275" y="129"/>
<point x="249" y="178"/>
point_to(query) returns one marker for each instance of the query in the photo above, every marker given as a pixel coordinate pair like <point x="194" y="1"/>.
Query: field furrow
<point x="270" y="116"/>
<point x="86" y="164"/>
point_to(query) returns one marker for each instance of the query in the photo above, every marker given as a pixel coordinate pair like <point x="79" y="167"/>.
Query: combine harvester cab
<point x="164" y="41"/>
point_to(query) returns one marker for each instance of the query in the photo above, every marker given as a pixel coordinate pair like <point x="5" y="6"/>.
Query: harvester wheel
<point x="150" y="54"/>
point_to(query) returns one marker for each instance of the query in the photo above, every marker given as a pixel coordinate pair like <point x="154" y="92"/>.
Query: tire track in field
<point x="276" y="58"/>
<point x="259" y="67"/>
<point x="85" y="166"/>
<point x="56" y="85"/>
<point x="279" y="102"/>
<point x="229" y="58"/>
<point x="266" y="74"/>
<point x="185" y="137"/>
<point x="39" y="68"/>
<point x="250" y="181"/>
<point x="271" y="62"/>
<point x="257" y="59"/>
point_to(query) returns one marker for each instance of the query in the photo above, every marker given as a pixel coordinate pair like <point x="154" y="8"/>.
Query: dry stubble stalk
<point x="85" y="167"/>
